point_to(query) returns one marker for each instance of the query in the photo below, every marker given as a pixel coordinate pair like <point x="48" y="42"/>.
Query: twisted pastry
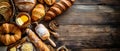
<point x="58" y="8"/>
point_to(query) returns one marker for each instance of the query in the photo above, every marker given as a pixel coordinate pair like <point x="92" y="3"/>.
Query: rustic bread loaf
<point x="25" y="5"/>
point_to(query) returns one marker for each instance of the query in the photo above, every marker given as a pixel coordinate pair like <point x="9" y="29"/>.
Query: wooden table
<point x="91" y="25"/>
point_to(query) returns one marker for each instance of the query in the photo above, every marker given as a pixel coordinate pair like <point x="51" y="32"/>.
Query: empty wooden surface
<point x="91" y="25"/>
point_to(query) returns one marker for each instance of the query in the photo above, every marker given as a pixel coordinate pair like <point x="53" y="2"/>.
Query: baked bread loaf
<point x="5" y="10"/>
<point x="36" y="41"/>
<point x="9" y="33"/>
<point x="58" y="8"/>
<point x="23" y="19"/>
<point x="38" y="12"/>
<point x="25" y="5"/>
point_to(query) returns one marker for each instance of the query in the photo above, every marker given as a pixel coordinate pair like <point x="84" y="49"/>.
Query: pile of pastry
<point x="21" y="28"/>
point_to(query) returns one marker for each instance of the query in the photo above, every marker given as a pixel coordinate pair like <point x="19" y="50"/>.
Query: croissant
<point x="38" y="12"/>
<point x="58" y="8"/>
<point x="25" y="5"/>
<point x="8" y="36"/>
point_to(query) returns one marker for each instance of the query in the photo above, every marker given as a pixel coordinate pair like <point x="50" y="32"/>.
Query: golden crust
<point x="51" y="14"/>
<point x="38" y="12"/>
<point x="7" y="39"/>
<point x="12" y="38"/>
<point x="6" y="27"/>
<point x="50" y="2"/>
<point x="10" y="33"/>
<point x="58" y="8"/>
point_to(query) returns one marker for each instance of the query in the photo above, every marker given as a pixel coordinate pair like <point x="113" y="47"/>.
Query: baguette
<point x="36" y="41"/>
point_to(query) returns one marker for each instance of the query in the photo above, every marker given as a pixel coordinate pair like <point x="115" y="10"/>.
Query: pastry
<point x="27" y="47"/>
<point x="8" y="36"/>
<point x="50" y="2"/>
<point x="5" y="10"/>
<point x="23" y="19"/>
<point x="36" y="41"/>
<point x="25" y="5"/>
<point x="43" y="33"/>
<point x="58" y="8"/>
<point x="38" y="12"/>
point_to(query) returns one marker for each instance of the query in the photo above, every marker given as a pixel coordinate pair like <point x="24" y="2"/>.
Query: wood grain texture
<point x="87" y="36"/>
<point x="106" y="2"/>
<point x="90" y="24"/>
<point x="90" y="14"/>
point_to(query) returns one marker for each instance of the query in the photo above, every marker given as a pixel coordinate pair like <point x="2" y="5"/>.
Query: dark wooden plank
<point x="90" y="14"/>
<point x="94" y="49"/>
<point x="108" y="2"/>
<point x="88" y="36"/>
<point x="98" y="49"/>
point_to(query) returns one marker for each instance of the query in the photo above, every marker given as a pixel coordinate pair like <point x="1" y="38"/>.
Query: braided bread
<point x="58" y="8"/>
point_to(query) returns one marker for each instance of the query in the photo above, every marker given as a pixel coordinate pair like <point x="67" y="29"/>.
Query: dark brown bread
<point x="58" y="8"/>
